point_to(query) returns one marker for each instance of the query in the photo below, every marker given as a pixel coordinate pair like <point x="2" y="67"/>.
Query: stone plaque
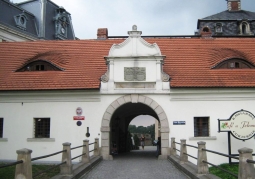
<point x="134" y="73"/>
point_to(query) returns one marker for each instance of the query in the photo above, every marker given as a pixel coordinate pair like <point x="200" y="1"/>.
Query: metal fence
<point x="246" y="164"/>
<point x="24" y="162"/>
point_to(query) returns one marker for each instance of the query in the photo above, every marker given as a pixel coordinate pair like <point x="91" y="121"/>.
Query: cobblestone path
<point x="138" y="164"/>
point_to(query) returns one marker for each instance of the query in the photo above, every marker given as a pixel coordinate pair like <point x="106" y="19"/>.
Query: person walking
<point x="142" y="141"/>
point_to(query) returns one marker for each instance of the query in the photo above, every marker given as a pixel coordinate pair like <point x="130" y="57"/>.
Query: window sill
<point x="203" y="138"/>
<point x="3" y="140"/>
<point x="40" y="139"/>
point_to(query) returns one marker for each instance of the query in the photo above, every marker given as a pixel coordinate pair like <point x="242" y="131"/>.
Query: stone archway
<point x="133" y="98"/>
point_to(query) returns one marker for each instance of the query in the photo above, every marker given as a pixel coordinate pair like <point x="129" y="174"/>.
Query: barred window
<point x="1" y="127"/>
<point x="201" y="126"/>
<point x="42" y="127"/>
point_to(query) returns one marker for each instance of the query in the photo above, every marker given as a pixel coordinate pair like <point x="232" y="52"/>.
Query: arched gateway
<point x="153" y="108"/>
<point x="134" y="68"/>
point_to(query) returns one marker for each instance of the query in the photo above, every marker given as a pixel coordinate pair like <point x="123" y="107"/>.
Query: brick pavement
<point x="138" y="164"/>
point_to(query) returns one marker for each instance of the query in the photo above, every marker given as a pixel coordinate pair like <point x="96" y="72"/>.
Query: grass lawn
<point x="233" y="168"/>
<point x="9" y="172"/>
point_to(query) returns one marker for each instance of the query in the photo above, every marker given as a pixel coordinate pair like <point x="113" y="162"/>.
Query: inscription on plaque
<point x="134" y="73"/>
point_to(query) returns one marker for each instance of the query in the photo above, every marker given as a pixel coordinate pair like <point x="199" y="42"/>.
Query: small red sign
<point x="79" y="118"/>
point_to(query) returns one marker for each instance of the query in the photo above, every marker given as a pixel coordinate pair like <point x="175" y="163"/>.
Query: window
<point x="39" y="68"/>
<point x="61" y="24"/>
<point x="1" y="127"/>
<point x="218" y="28"/>
<point x="234" y="63"/>
<point x="21" y="21"/>
<point x="40" y="65"/>
<point x="206" y="29"/>
<point x="42" y="127"/>
<point x="244" y="28"/>
<point x="201" y="126"/>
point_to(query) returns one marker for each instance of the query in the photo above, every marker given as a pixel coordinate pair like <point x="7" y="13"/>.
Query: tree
<point x="132" y="128"/>
<point x="143" y="130"/>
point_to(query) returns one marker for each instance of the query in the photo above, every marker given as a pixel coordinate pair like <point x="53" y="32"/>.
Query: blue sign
<point x="179" y="122"/>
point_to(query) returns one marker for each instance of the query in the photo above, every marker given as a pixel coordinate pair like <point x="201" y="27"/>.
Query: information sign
<point x="241" y="124"/>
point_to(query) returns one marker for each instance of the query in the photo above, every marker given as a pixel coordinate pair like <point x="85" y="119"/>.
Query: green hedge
<point x="9" y="172"/>
<point x="233" y="168"/>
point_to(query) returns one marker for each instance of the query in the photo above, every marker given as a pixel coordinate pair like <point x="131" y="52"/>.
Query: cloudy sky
<point x="152" y="17"/>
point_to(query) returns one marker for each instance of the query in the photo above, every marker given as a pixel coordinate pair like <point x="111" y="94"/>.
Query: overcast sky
<point x="152" y="17"/>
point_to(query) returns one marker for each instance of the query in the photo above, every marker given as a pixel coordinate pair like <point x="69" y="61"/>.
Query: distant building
<point x="34" y="20"/>
<point x="232" y="22"/>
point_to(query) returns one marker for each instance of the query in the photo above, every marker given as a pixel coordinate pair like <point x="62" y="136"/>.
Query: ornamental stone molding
<point x="134" y="46"/>
<point x="135" y="66"/>
<point x="165" y="77"/>
<point x="105" y="77"/>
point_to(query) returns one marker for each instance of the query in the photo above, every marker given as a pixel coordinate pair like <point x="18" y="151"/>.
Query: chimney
<point x="102" y="33"/>
<point x="234" y="5"/>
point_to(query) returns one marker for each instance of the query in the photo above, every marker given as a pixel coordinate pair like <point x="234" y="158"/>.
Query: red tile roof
<point x="189" y="63"/>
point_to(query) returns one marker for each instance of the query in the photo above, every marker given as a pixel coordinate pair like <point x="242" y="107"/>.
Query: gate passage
<point x="137" y="164"/>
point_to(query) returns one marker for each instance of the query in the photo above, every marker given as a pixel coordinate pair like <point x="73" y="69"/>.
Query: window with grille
<point x="201" y="126"/>
<point x="1" y="127"/>
<point x="42" y="127"/>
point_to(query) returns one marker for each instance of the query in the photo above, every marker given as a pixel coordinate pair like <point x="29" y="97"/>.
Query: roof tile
<point x="189" y="63"/>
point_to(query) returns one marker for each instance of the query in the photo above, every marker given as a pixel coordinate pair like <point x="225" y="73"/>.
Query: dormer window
<point x="206" y="32"/>
<point x="206" y="29"/>
<point x="234" y="63"/>
<point x="21" y="21"/>
<point x="61" y="23"/>
<point x="244" y="28"/>
<point x="218" y="28"/>
<point x="39" y="65"/>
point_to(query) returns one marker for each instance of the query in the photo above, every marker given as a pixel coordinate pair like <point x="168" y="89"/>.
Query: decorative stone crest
<point x="105" y="77"/>
<point x="134" y="73"/>
<point x="165" y="77"/>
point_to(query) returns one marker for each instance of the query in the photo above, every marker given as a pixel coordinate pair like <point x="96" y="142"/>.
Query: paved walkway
<point x="138" y="164"/>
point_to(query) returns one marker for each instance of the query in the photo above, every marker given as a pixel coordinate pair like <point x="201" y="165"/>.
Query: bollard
<point x="173" y="151"/>
<point x="66" y="169"/>
<point x="24" y="170"/>
<point x="183" y="157"/>
<point x="246" y="170"/>
<point x="85" y="158"/>
<point x="96" y="147"/>
<point x="202" y="168"/>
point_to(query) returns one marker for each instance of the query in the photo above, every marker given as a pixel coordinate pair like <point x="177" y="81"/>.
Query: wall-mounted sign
<point x="179" y="122"/>
<point x="134" y="73"/>
<point x="79" y="111"/>
<point x="79" y="118"/>
<point x="241" y="124"/>
<point x="79" y="123"/>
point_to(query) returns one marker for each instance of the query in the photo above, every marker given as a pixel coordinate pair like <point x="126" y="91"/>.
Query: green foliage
<point x="137" y="141"/>
<point x="143" y="130"/>
<point x="233" y="168"/>
<point x="129" y="142"/>
<point x="9" y="172"/>
<point x="132" y="128"/>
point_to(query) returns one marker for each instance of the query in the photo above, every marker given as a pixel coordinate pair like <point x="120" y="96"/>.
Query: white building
<point x="51" y="92"/>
